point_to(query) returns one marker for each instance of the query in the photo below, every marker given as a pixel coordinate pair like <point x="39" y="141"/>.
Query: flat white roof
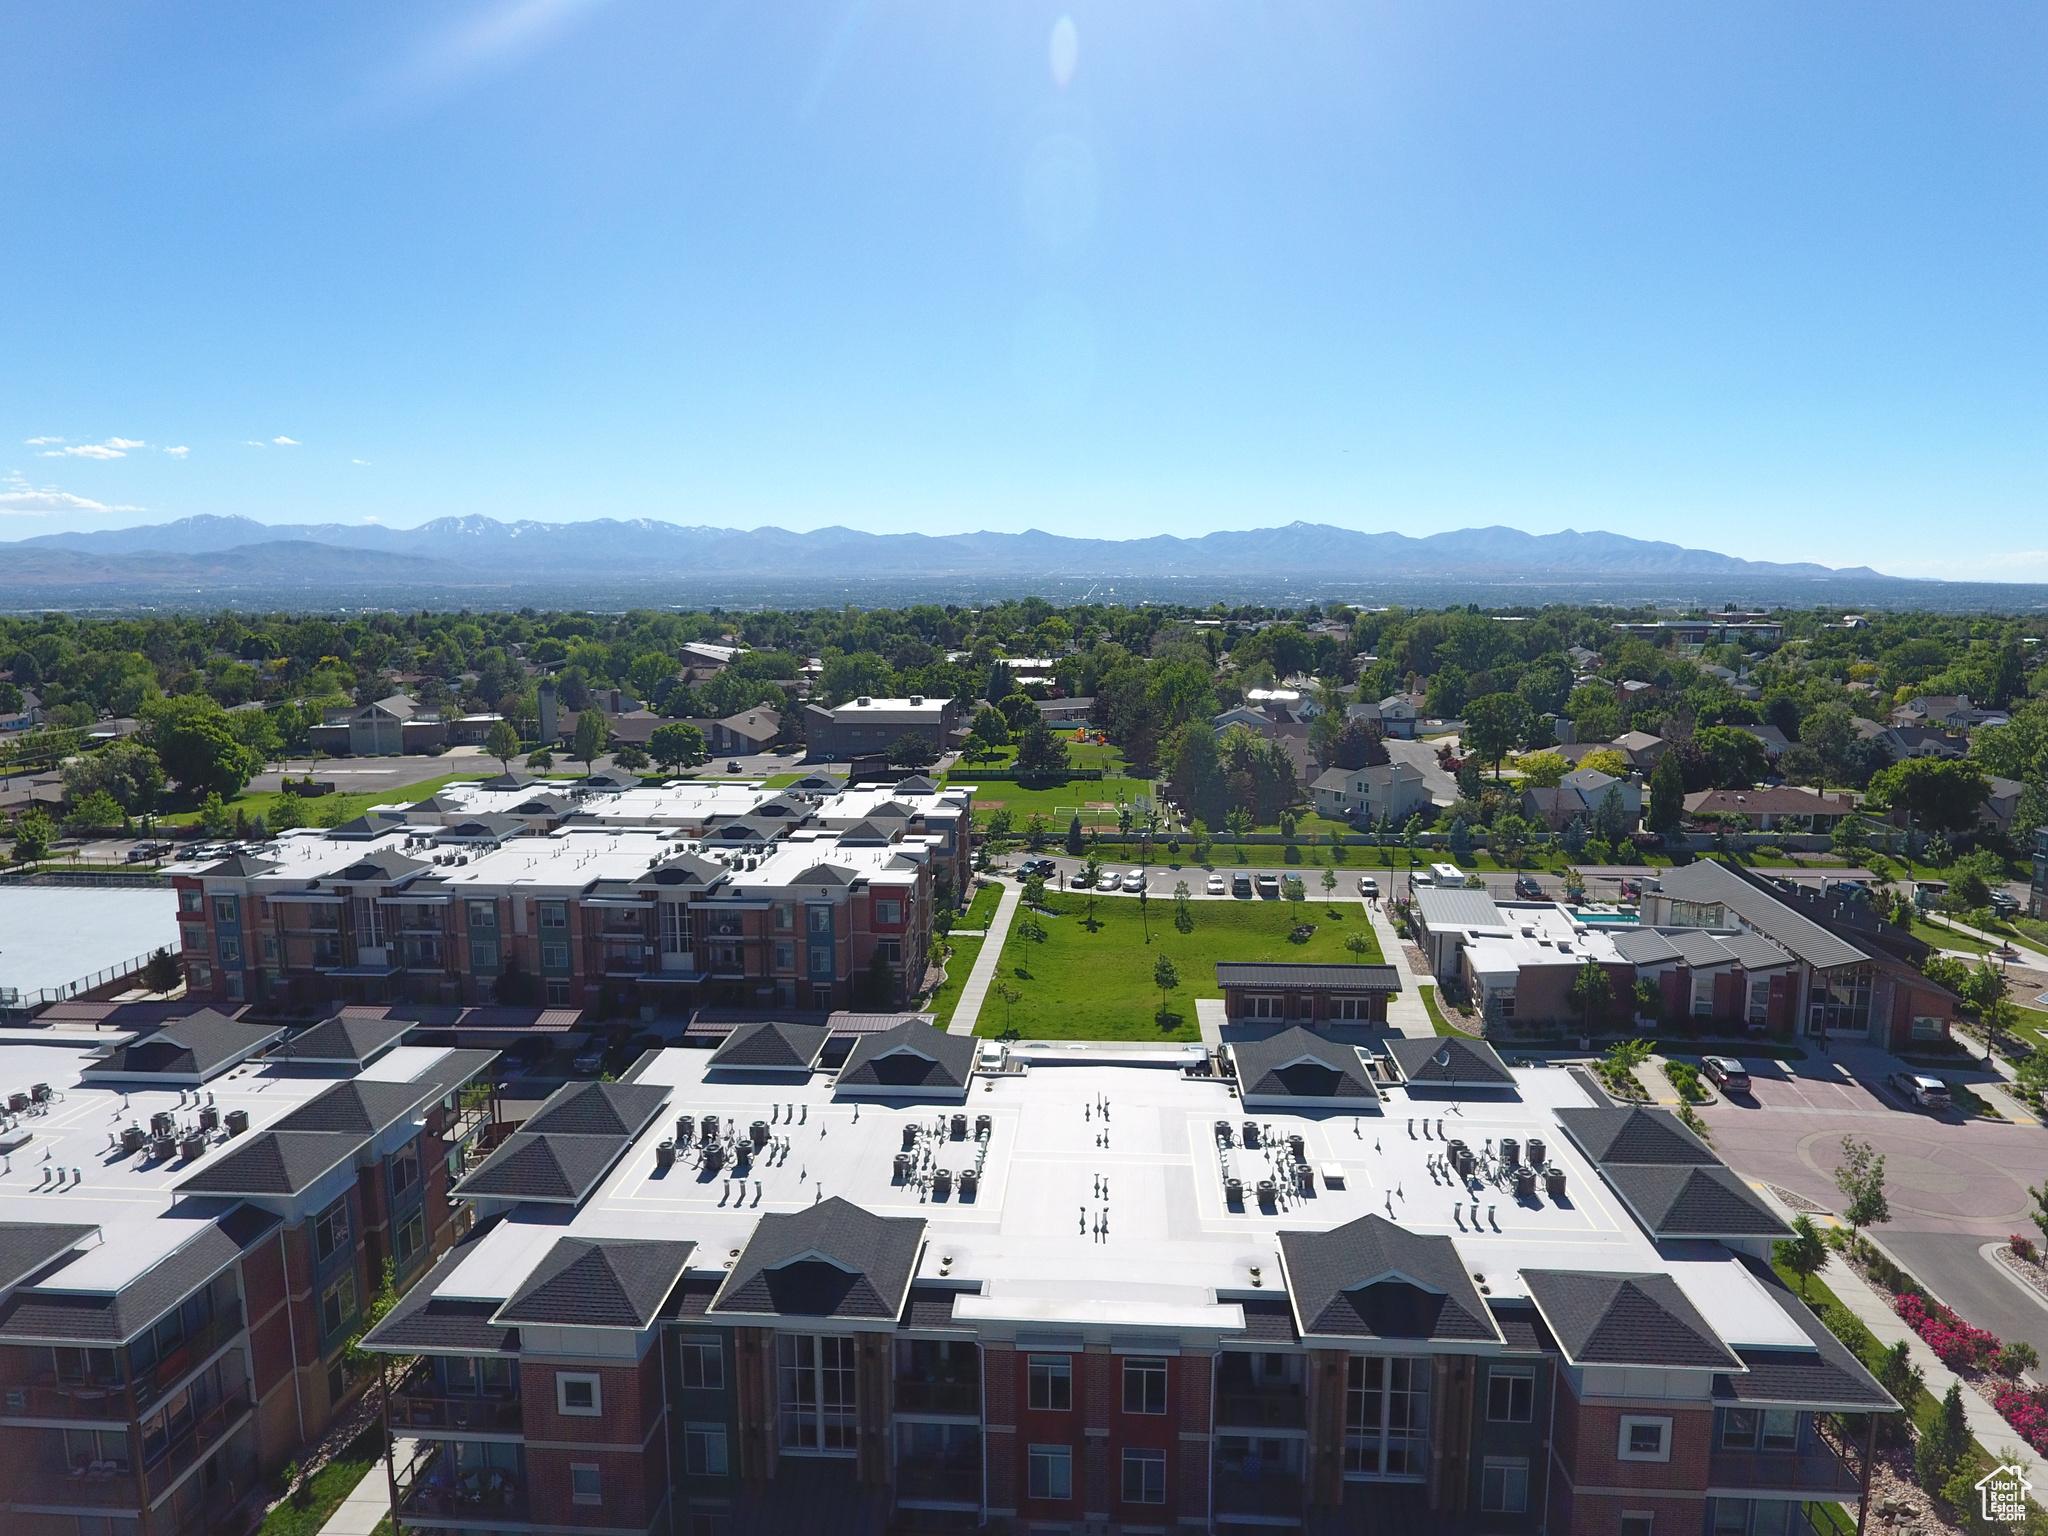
<point x="54" y="935"/>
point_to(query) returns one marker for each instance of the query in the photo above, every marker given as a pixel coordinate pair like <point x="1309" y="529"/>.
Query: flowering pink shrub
<point x="2023" y="1411"/>
<point x="1958" y="1345"/>
<point x="2021" y="1245"/>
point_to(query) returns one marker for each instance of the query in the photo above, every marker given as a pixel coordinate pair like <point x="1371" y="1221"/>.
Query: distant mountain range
<point x="481" y="552"/>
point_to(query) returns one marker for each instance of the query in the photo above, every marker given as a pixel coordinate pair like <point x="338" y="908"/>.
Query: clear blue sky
<point x="1764" y="278"/>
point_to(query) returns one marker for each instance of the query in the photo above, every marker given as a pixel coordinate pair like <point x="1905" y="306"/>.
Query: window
<point x="227" y="911"/>
<point x="234" y="984"/>
<point x="1636" y="1523"/>
<point x="202" y="978"/>
<point x="1510" y="1396"/>
<point x="821" y="962"/>
<point x="1350" y="1008"/>
<point x="483" y="954"/>
<point x="190" y="900"/>
<point x="483" y="914"/>
<point x="1052" y="1472"/>
<point x="704" y="1450"/>
<point x="586" y="1483"/>
<point x="193" y="936"/>
<point x="703" y="1364"/>
<point x="338" y="1306"/>
<point x="819" y="919"/>
<point x="1144" y="1384"/>
<point x="578" y="1394"/>
<point x="558" y="994"/>
<point x="411" y="1240"/>
<point x="330" y="1229"/>
<point x="1753" y="1517"/>
<point x="888" y="911"/>
<point x="814" y="1380"/>
<point x="1386" y="1417"/>
<point x="1264" y="1007"/>
<point x="785" y="955"/>
<point x="1770" y="1429"/>
<point x="230" y="949"/>
<point x="554" y="955"/>
<point x="1644" y="1439"/>
<point x="675" y="928"/>
<point x="405" y="1168"/>
<point x="891" y="950"/>
<point x="785" y="917"/>
<point x="1144" y="1477"/>
<point x="1504" y="1485"/>
<point x="554" y="914"/>
<point x="1051" y="1383"/>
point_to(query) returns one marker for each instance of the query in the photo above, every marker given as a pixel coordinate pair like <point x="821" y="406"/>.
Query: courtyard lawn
<point x="1023" y="801"/>
<point x="330" y="810"/>
<point x="946" y="996"/>
<point x="1942" y="937"/>
<point x="982" y="910"/>
<point x="1083" y="985"/>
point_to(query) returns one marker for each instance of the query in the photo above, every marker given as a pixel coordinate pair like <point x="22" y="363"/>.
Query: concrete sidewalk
<point x="1406" y="1014"/>
<point x="983" y="976"/>
<point x="1871" y="1309"/>
<point x="368" y="1503"/>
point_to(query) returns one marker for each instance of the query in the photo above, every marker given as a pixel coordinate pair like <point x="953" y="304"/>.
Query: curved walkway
<point x="975" y="992"/>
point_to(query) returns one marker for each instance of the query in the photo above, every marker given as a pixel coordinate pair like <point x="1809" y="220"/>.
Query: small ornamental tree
<point x="1804" y="1252"/>
<point x="503" y="744"/>
<point x="1166" y="977"/>
<point x="162" y="973"/>
<point x="1860" y="1176"/>
<point x="677" y="745"/>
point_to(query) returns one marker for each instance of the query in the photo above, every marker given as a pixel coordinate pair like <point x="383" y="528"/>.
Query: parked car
<point x="1920" y="1090"/>
<point x="1368" y="887"/>
<point x="1240" y="884"/>
<point x="2005" y="904"/>
<point x="1726" y="1073"/>
<point x="1134" y="882"/>
<point x="1269" y="884"/>
<point x="1045" y="869"/>
<point x="1528" y="888"/>
<point x="1215" y="885"/>
<point x="1108" y="882"/>
<point x="1080" y="882"/>
<point x="590" y="1060"/>
<point x="732" y="767"/>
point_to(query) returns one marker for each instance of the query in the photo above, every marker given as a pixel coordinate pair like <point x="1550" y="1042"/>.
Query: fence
<point x="82" y="874"/>
<point x="12" y="998"/>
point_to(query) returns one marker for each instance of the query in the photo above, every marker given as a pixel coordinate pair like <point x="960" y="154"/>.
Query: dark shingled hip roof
<point x="1634" y="1135"/>
<point x="27" y="1246"/>
<point x="911" y="1058"/>
<point x="360" y="1109"/>
<point x="1600" y="1318"/>
<point x="1373" y="1279"/>
<point x="605" y="1282"/>
<point x="347" y="1039"/>
<point x="199" y="1047"/>
<point x="50" y="1312"/>
<point x="1307" y="977"/>
<point x="1447" y="1061"/>
<point x="424" y="1323"/>
<point x="1677" y="1200"/>
<point x="834" y="1260"/>
<point x="598" y="1109"/>
<point x="276" y="1162"/>
<point x="1300" y="1064"/>
<point x="1828" y="1376"/>
<point x="554" y="1169"/>
<point x="771" y="1046"/>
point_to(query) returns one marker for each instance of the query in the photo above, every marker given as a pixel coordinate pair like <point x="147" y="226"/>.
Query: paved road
<point x="1954" y="1184"/>
<point x="1161" y="878"/>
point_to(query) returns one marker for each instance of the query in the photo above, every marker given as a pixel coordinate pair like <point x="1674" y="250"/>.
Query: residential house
<point x="1640" y="748"/>
<point x="26" y="717"/>
<point x="1935" y="709"/>
<point x="1399" y="715"/>
<point x="1902" y="742"/>
<point x="1365" y="796"/>
<point x="1773" y="807"/>
<point x="1579" y="794"/>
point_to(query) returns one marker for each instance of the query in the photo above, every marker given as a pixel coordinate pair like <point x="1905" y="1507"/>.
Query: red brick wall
<point x="1587" y="1439"/>
<point x="634" y="1478"/>
<point x="1003" y="1395"/>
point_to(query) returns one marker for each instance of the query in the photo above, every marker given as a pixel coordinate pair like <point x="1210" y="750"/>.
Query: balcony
<point x="1270" y="1493"/>
<point x="955" y="1397"/>
<point x="433" y="1488"/>
<point x="940" y="1482"/>
<point x="1262" y="1410"/>
<point x="47" y="1398"/>
<point x="1814" y="1474"/>
<point x="416" y="1405"/>
<point x="88" y="1486"/>
<point x="198" y="1439"/>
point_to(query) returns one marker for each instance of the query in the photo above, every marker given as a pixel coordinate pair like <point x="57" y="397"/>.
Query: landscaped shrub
<point x="2021" y="1245"/>
<point x="1957" y="1344"/>
<point x="1686" y="1079"/>
<point x="2023" y="1411"/>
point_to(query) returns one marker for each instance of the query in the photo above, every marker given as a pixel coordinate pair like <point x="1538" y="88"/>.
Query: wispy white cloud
<point x="364" y="462"/>
<point x="20" y="499"/>
<point x="126" y="442"/>
<point x="285" y="442"/>
<point x="37" y="442"/>
<point x="251" y="442"/>
<point x="86" y="451"/>
<point x="177" y="453"/>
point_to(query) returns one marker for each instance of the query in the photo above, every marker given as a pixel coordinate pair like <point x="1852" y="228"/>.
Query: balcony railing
<point x="431" y="1488"/>
<point x="48" y="1398"/>
<point x="1262" y="1410"/>
<point x="1270" y="1493"/>
<point x="961" y="1397"/>
<point x="1817" y="1473"/>
<point x="149" y="1384"/>
<point x="86" y="1486"/>
<point x="421" y="1407"/>
<point x="198" y="1440"/>
<point x="943" y="1482"/>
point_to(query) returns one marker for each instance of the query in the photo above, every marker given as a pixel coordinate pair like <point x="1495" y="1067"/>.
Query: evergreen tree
<point x="1667" y="794"/>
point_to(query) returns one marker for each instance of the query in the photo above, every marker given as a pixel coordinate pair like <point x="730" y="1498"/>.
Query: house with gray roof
<point x="1309" y="993"/>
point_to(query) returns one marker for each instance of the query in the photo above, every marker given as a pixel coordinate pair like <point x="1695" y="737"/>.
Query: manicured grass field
<point x="1083" y="985"/>
<point x="1024" y="801"/>
<point x="947" y="997"/>
<point x="331" y="810"/>
<point x="1947" y="938"/>
<point x="982" y="910"/>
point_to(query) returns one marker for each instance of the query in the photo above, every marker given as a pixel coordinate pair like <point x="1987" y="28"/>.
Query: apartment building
<point x="866" y="727"/>
<point x="615" y="920"/>
<point x="1078" y="1288"/>
<point x="197" y="1224"/>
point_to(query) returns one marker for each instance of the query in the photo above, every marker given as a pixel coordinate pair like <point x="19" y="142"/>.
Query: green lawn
<point x="1436" y="1016"/>
<point x="1947" y="938"/>
<point x="1082" y="985"/>
<point x="982" y="910"/>
<point x="944" y="1000"/>
<point x="1023" y="801"/>
<point x="323" y="1495"/>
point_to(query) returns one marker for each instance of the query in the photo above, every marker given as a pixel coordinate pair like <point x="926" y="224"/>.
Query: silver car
<point x="1108" y="882"/>
<point x="1134" y="882"/>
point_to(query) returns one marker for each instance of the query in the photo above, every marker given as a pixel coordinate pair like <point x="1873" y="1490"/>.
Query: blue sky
<point x="1755" y="277"/>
